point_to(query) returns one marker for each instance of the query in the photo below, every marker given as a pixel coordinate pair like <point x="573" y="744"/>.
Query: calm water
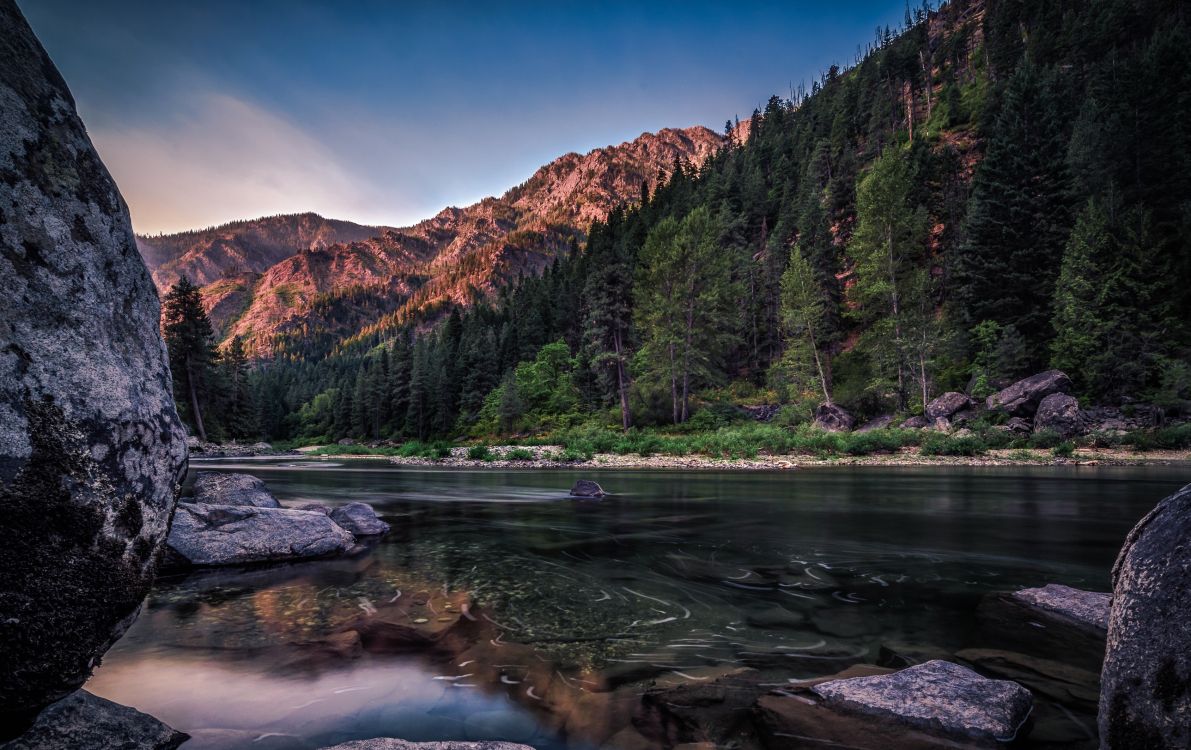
<point x="678" y="574"/>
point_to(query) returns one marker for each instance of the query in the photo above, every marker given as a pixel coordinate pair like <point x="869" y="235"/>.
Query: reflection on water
<point x="498" y="609"/>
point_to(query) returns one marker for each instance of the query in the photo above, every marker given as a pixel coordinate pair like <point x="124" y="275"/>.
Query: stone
<point x="1054" y="622"/>
<point x="1061" y="414"/>
<point x="965" y="417"/>
<point x="1023" y="397"/>
<point x="214" y="488"/>
<point x="915" y="423"/>
<point x="1068" y="685"/>
<point x="1016" y="426"/>
<point x="587" y="488"/>
<point x="83" y="720"/>
<point x="346" y="441"/>
<point x="937" y="697"/>
<point x="898" y="655"/>
<point x="879" y="423"/>
<point x="948" y="404"/>
<point x="236" y="535"/>
<point x="941" y="424"/>
<point x="1145" y="699"/>
<point x="776" y="616"/>
<point x="91" y="449"/>
<point x="314" y="507"/>
<point x="359" y="519"/>
<point x="833" y="418"/>
<point x="390" y="743"/>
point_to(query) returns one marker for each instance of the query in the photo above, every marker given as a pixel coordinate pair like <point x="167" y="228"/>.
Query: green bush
<point x="1065" y="449"/>
<point x="1045" y="439"/>
<point x="938" y="444"/>
<point x="519" y="454"/>
<point x="1166" y="438"/>
<point x="479" y="453"/>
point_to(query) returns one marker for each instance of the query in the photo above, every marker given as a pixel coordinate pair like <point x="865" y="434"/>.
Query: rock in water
<point x="1059" y="413"/>
<point x="1145" y="698"/>
<point x="1054" y="621"/>
<point x="83" y="720"/>
<point x="91" y="449"/>
<point x="238" y="534"/>
<point x="213" y="488"/>
<point x="359" y="519"/>
<point x="1023" y="397"/>
<point x="390" y="743"/>
<point x="587" y="488"/>
<point x="937" y="697"/>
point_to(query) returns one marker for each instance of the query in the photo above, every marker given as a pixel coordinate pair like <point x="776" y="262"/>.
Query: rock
<point x="359" y="519"/>
<point x="1146" y="696"/>
<point x="213" y="488"/>
<point x="314" y="507"/>
<point x="91" y="449"/>
<point x="833" y="418"/>
<point x="587" y="488"/>
<point x="896" y="655"/>
<point x="1016" y="426"/>
<point x="1059" y="413"/>
<point x="389" y="743"/>
<point x="83" y="720"/>
<point x="776" y="616"/>
<point x="345" y="441"/>
<point x="1068" y="685"/>
<point x="236" y="534"/>
<point x="942" y="424"/>
<point x="964" y="417"/>
<point x="948" y="404"/>
<point x="962" y="433"/>
<point x="879" y="423"/>
<point x="937" y="697"/>
<point x="261" y="447"/>
<point x="915" y="423"/>
<point x="1054" y="622"/>
<point x="1023" y="397"/>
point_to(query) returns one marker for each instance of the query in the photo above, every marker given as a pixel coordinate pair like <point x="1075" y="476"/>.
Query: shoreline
<point x="905" y="457"/>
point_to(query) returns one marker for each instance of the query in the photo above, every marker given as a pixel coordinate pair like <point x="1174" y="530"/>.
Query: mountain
<point x="300" y="283"/>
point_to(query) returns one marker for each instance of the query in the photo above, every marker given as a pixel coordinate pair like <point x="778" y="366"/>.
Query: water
<point x="681" y="577"/>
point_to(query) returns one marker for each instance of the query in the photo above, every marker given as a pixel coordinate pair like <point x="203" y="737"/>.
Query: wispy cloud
<point x="221" y="157"/>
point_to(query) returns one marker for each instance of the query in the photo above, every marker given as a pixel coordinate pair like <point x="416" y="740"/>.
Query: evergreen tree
<point x="189" y="340"/>
<point x="804" y="320"/>
<point x="239" y="413"/>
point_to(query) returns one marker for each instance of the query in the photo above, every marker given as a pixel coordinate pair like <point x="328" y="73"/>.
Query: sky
<point x="386" y="112"/>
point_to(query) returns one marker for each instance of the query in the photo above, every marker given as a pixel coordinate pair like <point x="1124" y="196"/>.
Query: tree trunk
<point x="819" y="366"/>
<point x="194" y="404"/>
<point x="673" y="386"/>
<point x="626" y="419"/>
<point x="897" y="323"/>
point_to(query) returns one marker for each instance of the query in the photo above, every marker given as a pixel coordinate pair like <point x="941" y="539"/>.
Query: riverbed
<point x="676" y="578"/>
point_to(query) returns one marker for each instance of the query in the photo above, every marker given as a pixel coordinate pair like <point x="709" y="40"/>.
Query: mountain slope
<point x="285" y="287"/>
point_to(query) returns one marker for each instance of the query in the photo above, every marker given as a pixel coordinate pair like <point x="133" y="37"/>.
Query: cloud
<point x="220" y="157"/>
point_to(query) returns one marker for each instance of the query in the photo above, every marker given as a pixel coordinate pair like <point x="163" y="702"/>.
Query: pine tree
<point x="239" y="413"/>
<point x="189" y="340"/>
<point x="804" y="320"/>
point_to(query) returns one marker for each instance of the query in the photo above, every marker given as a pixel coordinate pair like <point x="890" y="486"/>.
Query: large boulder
<point x="83" y="720"/>
<point x="915" y="423"/>
<point x="877" y="423"/>
<point x="1054" y="621"/>
<point x="587" y="488"/>
<point x="91" y="449"/>
<point x="238" y="534"/>
<point x="1059" y="413"/>
<point x="213" y="488"/>
<point x="945" y="406"/>
<point x="1145" y="699"/>
<point x="937" y="697"/>
<point x="359" y="519"/>
<point x="1023" y="397"/>
<point x="833" y="418"/>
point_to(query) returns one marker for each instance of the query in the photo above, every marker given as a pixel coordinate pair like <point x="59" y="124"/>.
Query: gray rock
<point x="879" y="423"/>
<point x="942" y="424"/>
<point x="91" y="449"/>
<point x="389" y="743"/>
<point x="947" y="404"/>
<point x="915" y="423"/>
<point x="1023" y="397"/>
<point x="1053" y="622"/>
<point x="1089" y="608"/>
<point x="936" y="697"/>
<point x="1059" y="413"/>
<point x="359" y="519"/>
<point x="213" y="488"/>
<point x="1016" y="426"/>
<point x="833" y="418"/>
<point x="587" y="488"/>
<point x="964" y="417"/>
<point x="82" y="720"/>
<point x="314" y="507"/>
<point x="346" y="441"/>
<point x="237" y="534"/>
<point x="1145" y="699"/>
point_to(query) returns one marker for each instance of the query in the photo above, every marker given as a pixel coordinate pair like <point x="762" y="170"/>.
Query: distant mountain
<point x="290" y="283"/>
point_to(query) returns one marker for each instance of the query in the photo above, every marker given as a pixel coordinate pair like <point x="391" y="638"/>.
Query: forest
<point x="997" y="188"/>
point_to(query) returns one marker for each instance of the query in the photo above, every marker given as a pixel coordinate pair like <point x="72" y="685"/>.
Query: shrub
<point x="1045" y="439"/>
<point x="1065" y="449"/>
<point x="938" y="444"/>
<point x="479" y="453"/>
<point x="519" y="454"/>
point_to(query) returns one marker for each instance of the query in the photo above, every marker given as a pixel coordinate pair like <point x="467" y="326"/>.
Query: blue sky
<point x="385" y="112"/>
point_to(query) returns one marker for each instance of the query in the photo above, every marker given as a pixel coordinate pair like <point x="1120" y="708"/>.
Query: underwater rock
<point x="587" y="488"/>
<point x="91" y="449"/>
<point x="389" y="743"/>
<point x="214" y="488"/>
<point x="1060" y="682"/>
<point x="237" y="534"/>
<point x="82" y="720"/>
<point x="1054" y="622"/>
<point x="359" y="519"/>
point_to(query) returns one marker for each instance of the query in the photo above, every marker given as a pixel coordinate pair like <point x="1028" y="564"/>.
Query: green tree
<point x="804" y="318"/>
<point x="239" y="411"/>
<point x="189" y="340"/>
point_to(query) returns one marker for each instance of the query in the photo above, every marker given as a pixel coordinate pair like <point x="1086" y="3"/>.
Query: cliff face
<point x="283" y="278"/>
<point x="91" y="448"/>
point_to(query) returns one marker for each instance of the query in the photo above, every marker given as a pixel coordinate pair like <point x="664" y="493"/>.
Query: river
<point x="679" y="576"/>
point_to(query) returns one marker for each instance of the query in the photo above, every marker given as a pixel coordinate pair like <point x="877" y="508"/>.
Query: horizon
<point x="274" y="109"/>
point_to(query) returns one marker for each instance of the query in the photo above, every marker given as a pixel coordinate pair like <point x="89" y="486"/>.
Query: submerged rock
<point x="587" y="488"/>
<point x="91" y="449"/>
<point x="1023" y="397"/>
<point x="937" y="697"/>
<point x="1088" y="608"/>
<point x="83" y="720"/>
<point x="359" y="519"/>
<point x="213" y="488"/>
<point x="1146" y="696"/>
<point x="236" y="534"/>
<point x="1070" y="686"/>
<point x="833" y="418"/>
<point x="1054" y="621"/>
<point x="1059" y="413"/>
